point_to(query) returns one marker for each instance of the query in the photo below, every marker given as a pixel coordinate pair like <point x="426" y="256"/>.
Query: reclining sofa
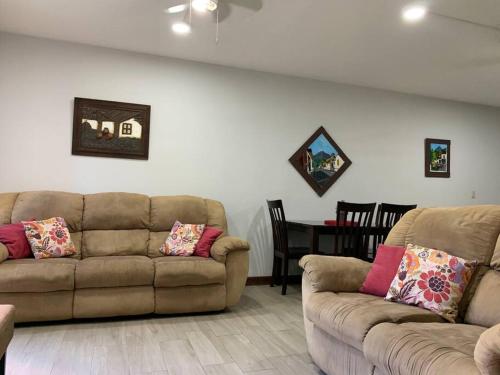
<point x="118" y="269"/>
<point x="358" y="334"/>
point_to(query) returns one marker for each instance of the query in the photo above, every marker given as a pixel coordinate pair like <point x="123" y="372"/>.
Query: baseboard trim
<point x="259" y="280"/>
<point x="266" y="280"/>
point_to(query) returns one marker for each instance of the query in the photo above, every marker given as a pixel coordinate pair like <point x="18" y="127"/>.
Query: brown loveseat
<point x="353" y="333"/>
<point x="118" y="269"/>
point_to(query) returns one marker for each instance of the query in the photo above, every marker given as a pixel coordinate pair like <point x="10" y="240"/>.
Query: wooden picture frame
<point x="320" y="161"/>
<point x="437" y="157"/>
<point x="110" y="129"/>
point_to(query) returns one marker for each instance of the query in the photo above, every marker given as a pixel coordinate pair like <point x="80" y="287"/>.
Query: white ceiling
<point x="361" y="42"/>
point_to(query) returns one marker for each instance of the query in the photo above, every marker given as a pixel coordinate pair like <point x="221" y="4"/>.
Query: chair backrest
<point x="388" y="215"/>
<point x="354" y="222"/>
<point x="279" y="226"/>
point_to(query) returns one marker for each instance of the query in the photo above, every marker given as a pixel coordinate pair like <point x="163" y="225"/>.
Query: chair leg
<point x="275" y="271"/>
<point x="2" y="364"/>
<point x="279" y="270"/>
<point x="285" y="276"/>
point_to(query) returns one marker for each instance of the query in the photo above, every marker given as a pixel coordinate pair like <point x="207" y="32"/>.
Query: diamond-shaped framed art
<point x="320" y="161"/>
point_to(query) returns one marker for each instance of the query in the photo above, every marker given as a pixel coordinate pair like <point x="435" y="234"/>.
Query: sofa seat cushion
<point x="43" y="275"/>
<point x="181" y="271"/>
<point x="349" y="316"/>
<point x="424" y="349"/>
<point x="114" y="271"/>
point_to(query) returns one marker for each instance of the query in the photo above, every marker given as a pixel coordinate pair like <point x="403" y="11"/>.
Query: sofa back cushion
<point x="156" y="239"/>
<point x="98" y="243"/>
<point x="115" y="224"/>
<point x="495" y="260"/>
<point x="165" y="210"/>
<point x="216" y="215"/>
<point x="7" y="201"/>
<point x="116" y="211"/>
<point x="41" y="205"/>
<point x="467" y="232"/>
<point x="484" y="308"/>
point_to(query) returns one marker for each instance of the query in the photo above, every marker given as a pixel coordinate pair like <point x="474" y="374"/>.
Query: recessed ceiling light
<point x="414" y="13"/>
<point x="204" y="5"/>
<point x="181" y="28"/>
<point x="176" y="8"/>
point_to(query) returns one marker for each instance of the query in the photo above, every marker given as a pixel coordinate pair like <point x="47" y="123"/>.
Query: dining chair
<point x="283" y="253"/>
<point x="388" y="215"/>
<point x="353" y="229"/>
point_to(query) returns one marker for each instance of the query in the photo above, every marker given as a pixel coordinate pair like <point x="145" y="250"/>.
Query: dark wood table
<point x="316" y="228"/>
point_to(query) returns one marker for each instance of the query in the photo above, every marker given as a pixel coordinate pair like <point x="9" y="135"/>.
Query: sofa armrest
<point x="6" y="327"/>
<point x="4" y="252"/>
<point x="487" y="351"/>
<point x="334" y="274"/>
<point x="225" y="245"/>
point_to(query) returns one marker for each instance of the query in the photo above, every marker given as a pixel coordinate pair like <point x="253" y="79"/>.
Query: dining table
<point x="316" y="228"/>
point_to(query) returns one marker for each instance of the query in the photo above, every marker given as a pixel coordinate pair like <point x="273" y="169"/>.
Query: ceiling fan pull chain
<point x="217" y="28"/>
<point x="190" y="12"/>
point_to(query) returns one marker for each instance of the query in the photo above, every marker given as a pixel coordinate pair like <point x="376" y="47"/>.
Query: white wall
<point x="227" y="134"/>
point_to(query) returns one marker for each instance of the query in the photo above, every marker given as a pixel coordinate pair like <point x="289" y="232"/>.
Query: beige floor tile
<point x="247" y="356"/>
<point x="205" y="351"/>
<point x="267" y="342"/>
<point x="180" y="358"/>
<point x="225" y="369"/>
<point x="294" y="340"/>
<point x="109" y="360"/>
<point x="294" y="365"/>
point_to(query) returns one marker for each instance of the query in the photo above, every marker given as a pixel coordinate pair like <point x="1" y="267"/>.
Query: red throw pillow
<point x="333" y="223"/>
<point x="383" y="270"/>
<point x="210" y="234"/>
<point x="14" y="238"/>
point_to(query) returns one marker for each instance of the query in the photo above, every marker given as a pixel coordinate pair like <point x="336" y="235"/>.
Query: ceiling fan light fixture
<point x="204" y="5"/>
<point x="176" y="9"/>
<point x="182" y="28"/>
<point x="414" y="13"/>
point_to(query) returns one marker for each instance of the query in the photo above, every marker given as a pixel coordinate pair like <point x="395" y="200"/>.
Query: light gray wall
<point x="227" y="134"/>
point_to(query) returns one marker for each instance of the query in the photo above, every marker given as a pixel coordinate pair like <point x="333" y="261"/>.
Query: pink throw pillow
<point x="202" y="248"/>
<point x="14" y="238"/>
<point x="384" y="268"/>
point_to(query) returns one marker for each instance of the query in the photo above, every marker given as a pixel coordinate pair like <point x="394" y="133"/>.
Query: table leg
<point x="314" y="241"/>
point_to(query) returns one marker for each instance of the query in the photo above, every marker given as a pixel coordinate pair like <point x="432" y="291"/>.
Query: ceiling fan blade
<point x="254" y="5"/>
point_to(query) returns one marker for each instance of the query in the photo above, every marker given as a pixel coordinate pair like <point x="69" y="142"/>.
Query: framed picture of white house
<point x="110" y="129"/>
<point x="320" y="161"/>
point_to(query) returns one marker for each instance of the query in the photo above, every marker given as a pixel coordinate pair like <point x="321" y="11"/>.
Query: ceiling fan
<point x="220" y="10"/>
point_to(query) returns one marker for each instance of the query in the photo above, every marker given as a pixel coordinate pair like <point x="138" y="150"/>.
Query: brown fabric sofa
<point x="118" y="269"/>
<point x="352" y="333"/>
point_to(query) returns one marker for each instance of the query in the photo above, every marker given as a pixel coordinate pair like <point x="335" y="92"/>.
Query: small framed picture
<point x="437" y="158"/>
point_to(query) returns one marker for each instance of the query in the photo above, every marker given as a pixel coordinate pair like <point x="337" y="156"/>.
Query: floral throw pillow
<point x="431" y="279"/>
<point x="182" y="239"/>
<point x="49" y="238"/>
